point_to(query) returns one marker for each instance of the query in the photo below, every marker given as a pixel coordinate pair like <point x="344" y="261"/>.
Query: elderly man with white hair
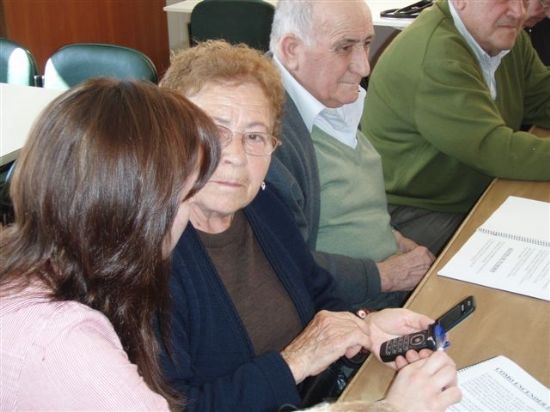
<point x="328" y="172"/>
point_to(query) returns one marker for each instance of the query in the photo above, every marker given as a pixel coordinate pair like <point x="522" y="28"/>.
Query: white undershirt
<point x="340" y="123"/>
<point x="488" y="64"/>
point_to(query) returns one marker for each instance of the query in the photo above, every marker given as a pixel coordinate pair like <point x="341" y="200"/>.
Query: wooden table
<point x="540" y="132"/>
<point x="504" y="323"/>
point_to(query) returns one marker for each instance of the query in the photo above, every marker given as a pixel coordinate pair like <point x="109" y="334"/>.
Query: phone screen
<point x="457" y="313"/>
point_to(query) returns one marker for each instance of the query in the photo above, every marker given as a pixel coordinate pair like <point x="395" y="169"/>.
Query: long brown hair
<point x="95" y="192"/>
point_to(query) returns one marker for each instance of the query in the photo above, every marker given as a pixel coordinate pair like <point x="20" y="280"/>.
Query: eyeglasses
<point x="254" y="143"/>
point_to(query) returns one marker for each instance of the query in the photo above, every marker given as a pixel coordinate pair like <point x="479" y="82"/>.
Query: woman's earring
<point x="262" y="186"/>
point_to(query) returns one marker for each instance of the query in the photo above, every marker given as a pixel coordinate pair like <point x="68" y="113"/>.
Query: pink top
<point x="65" y="356"/>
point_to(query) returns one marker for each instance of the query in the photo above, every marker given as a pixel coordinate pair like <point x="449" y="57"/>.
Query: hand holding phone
<point x="434" y="338"/>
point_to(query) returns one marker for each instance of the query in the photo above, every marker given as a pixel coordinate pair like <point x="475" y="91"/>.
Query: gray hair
<point x="292" y="17"/>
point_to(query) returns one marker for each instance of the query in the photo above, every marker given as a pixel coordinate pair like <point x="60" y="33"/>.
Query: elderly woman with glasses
<point x="253" y="315"/>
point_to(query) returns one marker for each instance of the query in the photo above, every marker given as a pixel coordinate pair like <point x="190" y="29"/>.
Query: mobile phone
<point x="434" y="338"/>
<point x="457" y="313"/>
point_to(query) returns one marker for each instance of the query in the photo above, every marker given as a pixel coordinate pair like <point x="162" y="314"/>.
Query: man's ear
<point x="289" y="52"/>
<point x="460" y="4"/>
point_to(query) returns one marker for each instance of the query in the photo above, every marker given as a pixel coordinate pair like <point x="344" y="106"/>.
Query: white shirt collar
<point x="488" y="64"/>
<point x="340" y="123"/>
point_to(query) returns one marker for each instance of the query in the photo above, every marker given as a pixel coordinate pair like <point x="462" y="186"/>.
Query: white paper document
<point x="499" y="384"/>
<point x="510" y="251"/>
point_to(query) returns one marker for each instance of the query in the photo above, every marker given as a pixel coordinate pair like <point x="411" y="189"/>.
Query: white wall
<point x="178" y="35"/>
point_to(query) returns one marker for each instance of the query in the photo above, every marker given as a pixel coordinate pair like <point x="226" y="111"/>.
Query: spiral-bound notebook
<point x="510" y="251"/>
<point x="499" y="384"/>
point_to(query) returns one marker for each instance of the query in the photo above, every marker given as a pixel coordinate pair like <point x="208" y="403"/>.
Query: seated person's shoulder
<point x="78" y="351"/>
<point x="33" y="319"/>
<point x="69" y="323"/>
<point x="270" y="202"/>
<point x="425" y="48"/>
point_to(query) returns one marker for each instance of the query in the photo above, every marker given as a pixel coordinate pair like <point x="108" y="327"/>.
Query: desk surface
<point x="504" y="323"/>
<point x="376" y="7"/>
<point x="19" y="107"/>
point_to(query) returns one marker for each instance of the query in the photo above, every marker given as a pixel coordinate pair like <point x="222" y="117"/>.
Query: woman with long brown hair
<point x="101" y="194"/>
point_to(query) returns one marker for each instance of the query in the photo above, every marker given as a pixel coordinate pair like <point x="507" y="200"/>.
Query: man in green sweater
<point x="444" y="109"/>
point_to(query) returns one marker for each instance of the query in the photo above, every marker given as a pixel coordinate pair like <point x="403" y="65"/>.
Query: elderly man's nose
<point x="360" y="63"/>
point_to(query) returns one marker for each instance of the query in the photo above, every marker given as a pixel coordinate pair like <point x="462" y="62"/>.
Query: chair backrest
<point x="236" y="21"/>
<point x="7" y="215"/>
<point x="17" y="65"/>
<point x="77" y="62"/>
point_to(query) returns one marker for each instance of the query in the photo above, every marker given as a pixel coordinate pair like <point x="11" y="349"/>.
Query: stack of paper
<point x="499" y="384"/>
<point x="510" y="251"/>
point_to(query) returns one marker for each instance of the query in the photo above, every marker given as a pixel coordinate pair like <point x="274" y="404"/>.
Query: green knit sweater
<point x="354" y="219"/>
<point x="430" y="115"/>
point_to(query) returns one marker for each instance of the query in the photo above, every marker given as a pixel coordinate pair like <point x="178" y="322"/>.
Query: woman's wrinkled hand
<point x="326" y="338"/>
<point x="391" y="323"/>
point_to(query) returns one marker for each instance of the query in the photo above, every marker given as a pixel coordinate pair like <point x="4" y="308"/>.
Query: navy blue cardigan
<point x="213" y="362"/>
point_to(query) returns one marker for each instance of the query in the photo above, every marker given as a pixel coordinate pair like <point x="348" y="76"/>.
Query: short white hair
<point x="292" y="17"/>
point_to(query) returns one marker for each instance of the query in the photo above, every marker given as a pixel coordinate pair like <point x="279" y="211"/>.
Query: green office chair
<point x="17" y="65"/>
<point x="77" y="62"/>
<point x="236" y="21"/>
<point x="7" y="215"/>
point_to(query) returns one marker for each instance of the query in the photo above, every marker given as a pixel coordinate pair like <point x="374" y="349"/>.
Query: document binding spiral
<point x="533" y="241"/>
